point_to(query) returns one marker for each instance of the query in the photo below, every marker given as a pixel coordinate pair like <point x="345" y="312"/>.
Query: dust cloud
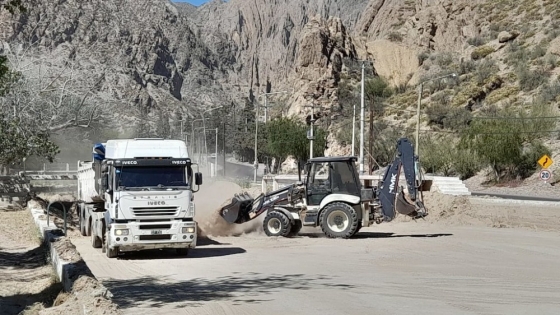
<point x="210" y="199"/>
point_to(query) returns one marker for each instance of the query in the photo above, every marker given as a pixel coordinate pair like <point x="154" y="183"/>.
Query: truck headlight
<point x="120" y="232"/>
<point x="188" y="229"/>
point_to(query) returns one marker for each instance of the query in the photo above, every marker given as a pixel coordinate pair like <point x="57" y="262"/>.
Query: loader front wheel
<point x="339" y="220"/>
<point x="277" y="224"/>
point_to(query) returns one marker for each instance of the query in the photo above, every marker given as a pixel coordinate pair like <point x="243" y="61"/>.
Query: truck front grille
<point x="159" y="211"/>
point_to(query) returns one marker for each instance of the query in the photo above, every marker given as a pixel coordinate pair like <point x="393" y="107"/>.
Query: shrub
<point x="481" y="52"/>
<point x="476" y="41"/>
<point x="530" y="79"/>
<point x="395" y="37"/>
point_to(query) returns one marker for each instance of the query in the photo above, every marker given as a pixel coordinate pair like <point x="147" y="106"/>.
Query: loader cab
<point x="331" y="175"/>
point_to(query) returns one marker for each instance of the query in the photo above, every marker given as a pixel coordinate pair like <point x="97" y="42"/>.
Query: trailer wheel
<point x="339" y="220"/>
<point x="296" y="227"/>
<point x="111" y="253"/>
<point x="277" y="224"/>
<point x="95" y="241"/>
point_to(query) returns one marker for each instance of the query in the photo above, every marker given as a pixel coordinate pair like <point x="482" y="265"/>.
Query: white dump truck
<point x="137" y="194"/>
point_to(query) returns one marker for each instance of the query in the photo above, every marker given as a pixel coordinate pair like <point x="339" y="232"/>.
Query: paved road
<point x="393" y="268"/>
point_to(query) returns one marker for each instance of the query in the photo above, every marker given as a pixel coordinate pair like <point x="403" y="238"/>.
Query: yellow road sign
<point x="545" y="161"/>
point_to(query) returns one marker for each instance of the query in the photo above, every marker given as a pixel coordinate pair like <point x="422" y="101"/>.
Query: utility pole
<point x="266" y="101"/>
<point x="354" y="131"/>
<point x="216" y="158"/>
<point x="371" y="134"/>
<point x="224" y="147"/>
<point x="256" y="144"/>
<point x="362" y="122"/>
<point x="311" y="135"/>
<point x="419" y="104"/>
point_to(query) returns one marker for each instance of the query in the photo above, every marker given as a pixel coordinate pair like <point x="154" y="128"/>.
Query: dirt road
<point x="431" y="267"/>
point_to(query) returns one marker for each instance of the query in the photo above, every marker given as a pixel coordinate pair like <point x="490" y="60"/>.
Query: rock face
<point x="156" y="53"/>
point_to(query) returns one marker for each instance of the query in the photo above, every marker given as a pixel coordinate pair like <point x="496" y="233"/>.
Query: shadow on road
<point x="204" y="252"/>
<point x="362" y="235"/>
<point x="242" y="288"/>
<point x="205" y="241"/>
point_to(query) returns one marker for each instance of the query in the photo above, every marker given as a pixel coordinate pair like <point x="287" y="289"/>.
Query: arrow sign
<point x="545" y="161"/>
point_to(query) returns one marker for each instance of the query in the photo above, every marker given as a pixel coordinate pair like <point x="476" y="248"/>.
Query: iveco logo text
<point x="392" y="185"/>
<point x="178" y="162"/>
<point x="155" y="203"/>
<point x="129" y="162"/>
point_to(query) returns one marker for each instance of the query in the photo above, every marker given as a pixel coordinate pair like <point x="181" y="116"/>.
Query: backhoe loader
<point x="333" y="197"/>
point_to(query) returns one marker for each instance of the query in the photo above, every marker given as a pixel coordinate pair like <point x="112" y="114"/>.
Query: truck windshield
<point x="169" y="176"/>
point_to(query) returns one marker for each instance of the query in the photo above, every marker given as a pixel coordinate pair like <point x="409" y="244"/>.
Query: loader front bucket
<point x="239" y="209"/>
<point x="412" y="209"/>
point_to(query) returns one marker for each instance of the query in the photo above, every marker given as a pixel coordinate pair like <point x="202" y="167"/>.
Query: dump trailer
<point x="333" y="197"/>
<point x="137" y="194"/>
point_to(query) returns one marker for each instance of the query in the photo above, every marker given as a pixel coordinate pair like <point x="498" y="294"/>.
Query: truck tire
<point x="296" y="227"/>
<point x="95" y="241"/>
<point x="83" y="229"/>
<point x="339" y="220"/>
<point x="111" y="253"/>
<point x="182" y="251"/>
<point x="277" y="224"/>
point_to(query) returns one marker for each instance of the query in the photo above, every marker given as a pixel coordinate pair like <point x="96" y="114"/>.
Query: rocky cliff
<point x="160" y="54"/>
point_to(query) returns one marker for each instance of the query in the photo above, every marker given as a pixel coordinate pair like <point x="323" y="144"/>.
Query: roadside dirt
<point x="23" y="257"/>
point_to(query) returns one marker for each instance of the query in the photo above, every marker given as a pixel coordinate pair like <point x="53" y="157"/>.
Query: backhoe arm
<point x="391" y="195"/>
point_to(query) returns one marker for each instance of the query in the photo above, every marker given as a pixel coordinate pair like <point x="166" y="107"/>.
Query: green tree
<point x="510" y="143"/>
<point x="15" y="144"/>
<point x="287" y="136"/>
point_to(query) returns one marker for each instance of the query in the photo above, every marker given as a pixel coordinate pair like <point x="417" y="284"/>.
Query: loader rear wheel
<point x="339" y="220"/>
<point x="83" y="229"/>
<point x="277" y="224"/>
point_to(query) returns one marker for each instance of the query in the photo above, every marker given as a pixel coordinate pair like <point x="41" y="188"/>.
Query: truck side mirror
<point x="198" y="178"/>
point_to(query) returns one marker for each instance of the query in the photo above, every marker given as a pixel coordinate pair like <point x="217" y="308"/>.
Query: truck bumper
<point x="153" y="235"/>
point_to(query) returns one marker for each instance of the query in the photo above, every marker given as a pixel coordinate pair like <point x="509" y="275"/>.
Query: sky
<point x="195" y="2"/>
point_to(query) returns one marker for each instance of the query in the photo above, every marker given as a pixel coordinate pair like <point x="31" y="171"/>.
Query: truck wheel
<point x="339" y="220"/>
<point x="182" y="251"/>
<point x="296" y="227"/>
<point x="95" y="241"/>
<point x="83" y="229"/>
<point x="111" y="253"/>
<point x="276" y="224"/>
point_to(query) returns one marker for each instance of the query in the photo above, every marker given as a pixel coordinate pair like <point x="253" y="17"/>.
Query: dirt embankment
<point x="29" y="283"/>
<point x="490" y="212"/>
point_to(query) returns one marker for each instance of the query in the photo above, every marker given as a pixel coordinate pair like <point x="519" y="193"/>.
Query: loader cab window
<point x="318" y="183"/>
<point x="327" y="178"/>
<point x="344" y="178"/>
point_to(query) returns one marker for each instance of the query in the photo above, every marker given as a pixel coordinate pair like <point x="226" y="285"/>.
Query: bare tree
<point x="53" y="97"/>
